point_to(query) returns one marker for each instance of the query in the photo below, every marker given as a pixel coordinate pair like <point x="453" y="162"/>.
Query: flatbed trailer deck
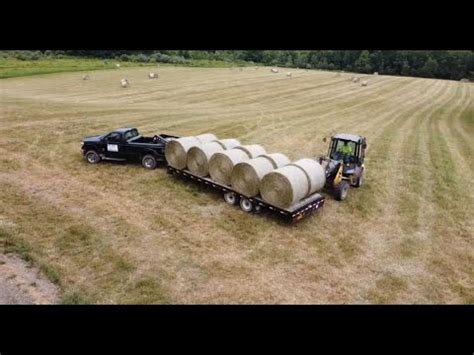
<point x="255" y="204"/>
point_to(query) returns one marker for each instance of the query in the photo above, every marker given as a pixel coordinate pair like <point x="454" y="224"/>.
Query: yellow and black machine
<point x="344" y="163"/>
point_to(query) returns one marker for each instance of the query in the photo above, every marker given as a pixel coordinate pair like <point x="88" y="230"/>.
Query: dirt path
<point x="22" y="284"/>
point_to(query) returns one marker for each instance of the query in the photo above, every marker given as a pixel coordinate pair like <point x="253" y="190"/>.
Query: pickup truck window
<point x="131" y="134"/>
<point x="114" y="136"/>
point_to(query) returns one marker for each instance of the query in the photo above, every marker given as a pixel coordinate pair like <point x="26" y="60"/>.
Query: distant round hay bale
<point x="85" y="77"/>
<point x="176" y="151"/>
<point x="198" y="157"/>
<point x="206" y="137"/>
<point x="314" y="172"/>
<point x="464" y="80"/>
<point x="355" y="79"/>
<point x="288" y="74"/>
<point x="228" y="143"/>
<point x="246" y="176"/>
<point x="364" y="83"/>
<point x="274" y="70"/>
<point x="252" y="150"/>
<point x="222" y="163"/>
<point x="152" y="76"/>
<point x="285" y="186"/>
<point x="117" y="65"/>
<point x="376" y="73"/>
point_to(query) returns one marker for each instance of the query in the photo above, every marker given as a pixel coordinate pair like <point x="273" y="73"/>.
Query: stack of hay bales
<point x="246" y="176"/>
<point x="364" y="83"/>
<point x="290" y="184"/>
<point x="198" y="157"/>
<point x="176" y="150"/>
<point x="221" y="164"/>
<point x="274" y="70"/>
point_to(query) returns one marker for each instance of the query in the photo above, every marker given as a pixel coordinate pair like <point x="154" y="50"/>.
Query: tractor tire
<point x="92" y="157"/>
<point x="341" y="190"/>
<point x="149" y="162"/>
<point x="360" y="180"/>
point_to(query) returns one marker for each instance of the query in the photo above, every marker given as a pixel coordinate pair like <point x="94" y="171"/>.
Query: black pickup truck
<point x="126" y="144"/>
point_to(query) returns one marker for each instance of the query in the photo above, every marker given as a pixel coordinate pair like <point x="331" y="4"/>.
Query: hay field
<point x="116" y="233"/>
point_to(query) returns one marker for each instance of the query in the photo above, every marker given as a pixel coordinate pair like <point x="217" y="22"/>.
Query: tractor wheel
<point x="341" y="190"/>
<point x="92" y="157"/>
<point x="360" y="180"/>
<point x="149" y="162"/>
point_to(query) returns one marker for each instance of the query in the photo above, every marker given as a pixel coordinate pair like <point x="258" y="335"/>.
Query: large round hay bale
<point x="222" y="163"/>
<point x="206" y="137"/>
<point x="198" y="157"/>
<point x="285" y="186"/>
<point x="176" y="151"/>
<point x="314" y="172"/>
<point x="246" y="176"/>
<point x="228" y="143"/>
<point x="278" y="160"/>
<point x="252" y="150"/>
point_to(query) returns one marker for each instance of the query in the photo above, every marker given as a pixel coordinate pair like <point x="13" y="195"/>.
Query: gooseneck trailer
<point x="255" y="204"/>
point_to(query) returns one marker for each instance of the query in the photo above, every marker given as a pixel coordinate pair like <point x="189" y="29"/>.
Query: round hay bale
<point x="288" y="74"/>
<point x="222" y="163"/>
<point x="152" y="76"/>
<point x="206" y="137"/>
<point x="246" y="176"/>
<point x="85" y="77"/>
<point x="314" y="172"/>
<point x="117" y="65"/>
<point x="228" y="143"/>
<point x="364" y="83"/>
<point x="177" y="149"/>
<point x="274" y="70"/>
<point x="376" y="73"/>
<point x="198" y="157"/>
<point x="252" y="150"/>
<point x="278" y="160"/>
<point x="285" y="186"/>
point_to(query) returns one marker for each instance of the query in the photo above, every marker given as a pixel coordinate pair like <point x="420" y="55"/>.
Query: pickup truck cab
<point x="126" y="144"/>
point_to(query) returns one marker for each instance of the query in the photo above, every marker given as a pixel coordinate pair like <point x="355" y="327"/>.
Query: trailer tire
<point x="246" y="205"/>
<point x="341" y="190"/>
<point x="149" y="162"/>
<point x="231" y="198"/>
<point x="92" y="157"/>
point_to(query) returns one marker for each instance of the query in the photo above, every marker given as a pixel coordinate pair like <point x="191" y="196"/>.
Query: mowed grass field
<point x="116" y="233"/>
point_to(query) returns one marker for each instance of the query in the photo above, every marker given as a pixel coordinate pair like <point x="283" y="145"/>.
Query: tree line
<point x="442" y="64"/>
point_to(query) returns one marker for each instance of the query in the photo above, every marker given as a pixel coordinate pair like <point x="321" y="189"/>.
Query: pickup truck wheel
<point x="92" y="157"/>
<point x="246" y="205"/>
<point x="149" y="161"/>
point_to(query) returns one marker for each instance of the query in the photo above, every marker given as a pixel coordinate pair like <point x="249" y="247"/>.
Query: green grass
<point x="11" y="67"/>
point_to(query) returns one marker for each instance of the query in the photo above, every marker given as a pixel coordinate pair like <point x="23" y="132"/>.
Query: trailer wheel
<point x="92" y="157"/>
<point x="246" y="205"/>
<point x="231" y="198"/>
<point x="149" y="162"/>
<point x="341" y="190"/>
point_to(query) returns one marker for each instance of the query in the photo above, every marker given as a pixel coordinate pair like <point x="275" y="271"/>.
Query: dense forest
<point x="441" y="64"/>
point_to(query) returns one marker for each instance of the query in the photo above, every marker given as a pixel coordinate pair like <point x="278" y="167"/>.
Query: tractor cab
<point x="344" y="163"/>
